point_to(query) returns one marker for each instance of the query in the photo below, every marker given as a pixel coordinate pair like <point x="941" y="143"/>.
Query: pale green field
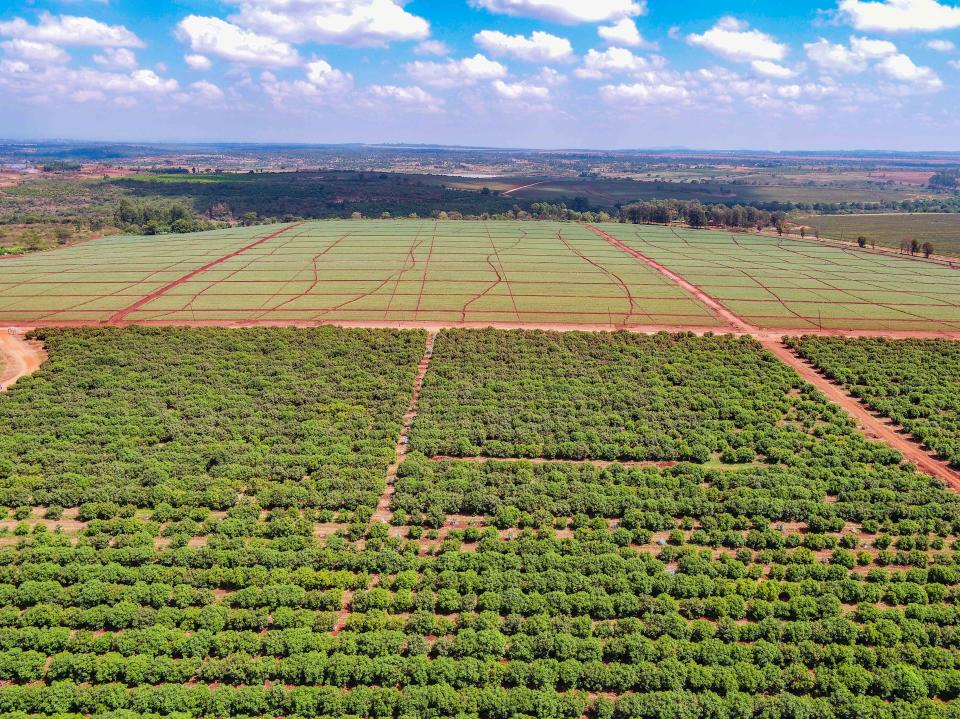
<point x="512" y="272"/>
<point x="795" y="284"/>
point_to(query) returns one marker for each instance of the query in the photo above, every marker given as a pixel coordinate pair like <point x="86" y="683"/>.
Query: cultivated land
<point x="889" y="230"/>
<point x="187" y="532"/>
<point x="393" y="271"/>
<point x="797" y="284"/>
<point x="504" y="273"/>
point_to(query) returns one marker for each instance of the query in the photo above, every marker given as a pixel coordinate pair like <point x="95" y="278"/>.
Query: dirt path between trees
<point x="18" y="357"/>
<point x="733" y="320"/>
<point x="872" y="425"/>
<point x="383" y="513"/>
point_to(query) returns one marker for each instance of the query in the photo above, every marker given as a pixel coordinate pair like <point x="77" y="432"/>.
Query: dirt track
<point x="873" y="426"/>
<point x="20" y="357"/>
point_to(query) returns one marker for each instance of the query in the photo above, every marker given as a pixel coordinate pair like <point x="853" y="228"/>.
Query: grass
<point x="889" y="230"/>
<point x="795" y="284"/>
<point x="552" y="273"/>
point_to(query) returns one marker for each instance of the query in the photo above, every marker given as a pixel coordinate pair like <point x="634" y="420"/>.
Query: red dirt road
<point x="735" y="321"/>
<point x="871" y="425"/>
<point x="20" y="358"/>
<point x="120" y="316"/>
<point x="384" y="513"/>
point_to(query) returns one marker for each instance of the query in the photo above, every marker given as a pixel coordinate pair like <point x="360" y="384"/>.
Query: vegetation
<point x="613" y="396"/>
<point x="914" y="382"/>
<point x="941" y="231"/>
<point x="199" y="417"/>
<point x="149" y="570"/>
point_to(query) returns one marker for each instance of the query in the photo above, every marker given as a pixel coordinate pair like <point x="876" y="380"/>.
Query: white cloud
<point x="117" y="58"/>
<point x="733" y="39"/>
<point x="70" y="30"/>
<point x="550" y="77"/>
<point x="941" y="45"/>
<point x="206" y="91"/>
<point x="622" y="34"/>
<point x="901" y="68"/>
<point x="432" y="47"/>
<point x="198" y="62"/>
<point x="539" y="47"/>
<point x="364" y="23"/>
<point x="322" y="82"/>
<point x="614" y="60"/>
<point x="410" y="95"/>
<point x="955" y="64"/>
<point x="900" y="15"/>
<point x="213" y="36"/>
<point x="453" y="73"/>
<point x="646" y="93"/>
<point x="35" y="53"/>
<point x="520" y="91"/>
<point x="772" y="69"/>
<point x="840" y="59"/>
<point x="565" y="11"/>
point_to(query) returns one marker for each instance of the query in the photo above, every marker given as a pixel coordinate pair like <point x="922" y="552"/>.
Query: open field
<point x="181" y="538"/>
<point x="378" y="271"/>
<point x="796" y="284"/>
<point x="889" y="230"/>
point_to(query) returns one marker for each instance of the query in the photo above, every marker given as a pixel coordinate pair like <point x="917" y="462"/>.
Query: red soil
<point x="20" y="358"/>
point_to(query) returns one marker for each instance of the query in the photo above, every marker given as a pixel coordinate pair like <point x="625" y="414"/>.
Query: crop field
<point x="540" y="272"/>
<point x="914" y="382"/>
<point x="797" y="284"/>
<point x="889" y="230"/>
<point x="181" y="537"/>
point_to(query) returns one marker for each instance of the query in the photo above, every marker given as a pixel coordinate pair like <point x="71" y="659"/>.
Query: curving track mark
<point x="612" y="275"/>
<point x="121" y="315"/>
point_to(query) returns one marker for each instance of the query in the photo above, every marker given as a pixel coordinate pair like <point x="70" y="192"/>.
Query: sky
<point x="602" y="74"/>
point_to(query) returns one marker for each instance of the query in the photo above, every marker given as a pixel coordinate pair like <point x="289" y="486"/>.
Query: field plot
<point x="305" y="418"/>
<point x="889" y="230"/>
<point x="92" y="281"/>
<point x="914" y="382"/>
<point x="786" y="284"/>
<point x="149" y="570"/>
<point x="354" y="271"/>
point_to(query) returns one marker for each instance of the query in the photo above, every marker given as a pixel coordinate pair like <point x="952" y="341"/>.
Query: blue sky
<point x="808" y="74"/>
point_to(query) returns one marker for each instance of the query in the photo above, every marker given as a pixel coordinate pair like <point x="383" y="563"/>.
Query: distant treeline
<point x="696" y="214"/>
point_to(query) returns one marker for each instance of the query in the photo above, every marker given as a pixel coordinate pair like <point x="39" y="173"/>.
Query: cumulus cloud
<point x="432" y="47"/>
<point x="835" y="59"/>
<point x="648" y="92"/>
<point x="520" y="91"/>
<point x="614" y="60"/>
<point x="941" y="45"/>
<point x="411" y="96"/>
<point x="35" y="53"/>
<point x="213" y="36"/>
<point x="565" y="11"/>
<point x="70" y="30"/>
<point x="198" y="62"/>
<point x="364" y="23"/>
<point x="119" y="58"/>
<point x="453" y="73"/>
<point x="206" y="91"/>
<point x="772" y="69"/>
<point x="321" y="82"/>
<point x="621" y="34"/>
<point x="900" y="15"/>
<point x="539" y="47"/>
<point x="901" y="68"/>
<point x="86" y="84"/>
<point x="734" y="40"/>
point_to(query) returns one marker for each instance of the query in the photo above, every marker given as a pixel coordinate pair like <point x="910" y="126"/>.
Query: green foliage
<point x="914" y="382"/>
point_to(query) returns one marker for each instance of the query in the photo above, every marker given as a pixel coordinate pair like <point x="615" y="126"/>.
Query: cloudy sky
<point x="765" y="74"/>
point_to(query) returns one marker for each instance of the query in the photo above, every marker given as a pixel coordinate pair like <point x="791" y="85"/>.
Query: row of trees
<point x="697" y="215"/>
